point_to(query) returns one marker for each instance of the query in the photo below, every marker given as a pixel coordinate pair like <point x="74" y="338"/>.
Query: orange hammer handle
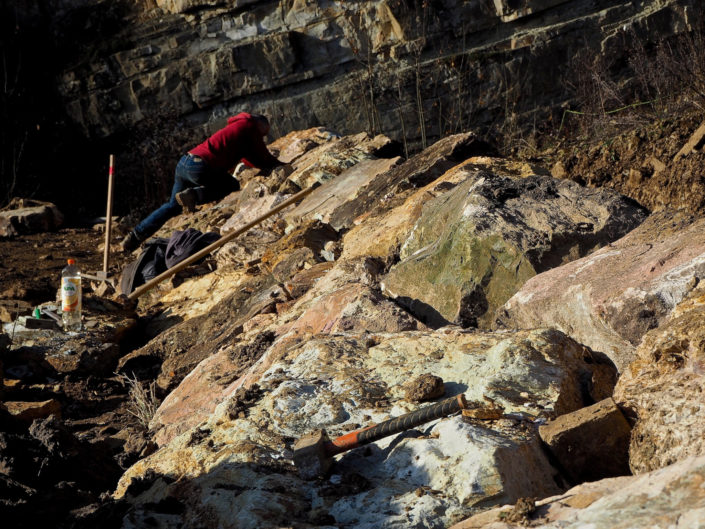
<point x="345" y="442"/>
<point x="398" y="424"/>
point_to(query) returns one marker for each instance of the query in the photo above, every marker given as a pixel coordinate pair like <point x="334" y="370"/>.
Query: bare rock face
<point x="383" y="237"/>
<point x="476" y="245"/>
<point x="662" y="390"/>
<point x="662" y="499"/>
<point x="175" y="352"/>
<point x="509" y="11"/>
<point x="216" y="369"/>
<point x="392" y="187"/>
<point x="611" y="298"/>
<point x="299" y="61"/>
<point x="591" y="443"/>
<point x="330" y="159"/>
<point x="325" y="201"/>
<point x="340" y="382"/>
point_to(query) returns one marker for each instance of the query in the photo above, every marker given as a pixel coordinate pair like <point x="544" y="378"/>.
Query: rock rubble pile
<point x="568" y="316"/>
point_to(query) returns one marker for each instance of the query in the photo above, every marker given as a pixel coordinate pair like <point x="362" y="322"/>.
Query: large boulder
<point x="611" y="298"/>
<point x="662" y="390"/>
<point x="24" y="216"/>
<point x="382" y="235"/>
<point x="476" y="245"/>
<point x="238" y="460"/>
<point x="663" y="499"/>
<point x="391" y="188"/>
<point x="216" y="364"/>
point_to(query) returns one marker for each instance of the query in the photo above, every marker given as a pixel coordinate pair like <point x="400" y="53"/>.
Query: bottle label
<point x="70" y="294"/>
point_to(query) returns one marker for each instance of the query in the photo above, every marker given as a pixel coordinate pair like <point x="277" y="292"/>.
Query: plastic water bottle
<point x="71" y="296"/>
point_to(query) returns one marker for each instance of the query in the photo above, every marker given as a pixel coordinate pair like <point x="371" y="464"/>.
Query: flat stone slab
<point x="591" y="443"/>
<point x="323" y="202"/>
<point x="330" y="159"/>
<point x="29" y="411"/>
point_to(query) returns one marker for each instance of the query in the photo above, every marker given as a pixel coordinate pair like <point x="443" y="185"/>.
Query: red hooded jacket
<point x="240" y="140"/>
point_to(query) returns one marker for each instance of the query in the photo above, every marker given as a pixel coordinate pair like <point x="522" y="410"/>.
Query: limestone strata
<point x="344" y="63"/>
<point x="611" y="298"/>
<point x="662" y="499"/>
<point x="340" y="382"/>
<point x="663" y="389"/>
<point x="475" y="246"/>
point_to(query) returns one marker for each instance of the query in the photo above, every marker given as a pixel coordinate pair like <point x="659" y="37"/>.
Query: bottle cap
<point x="71" y="261"/>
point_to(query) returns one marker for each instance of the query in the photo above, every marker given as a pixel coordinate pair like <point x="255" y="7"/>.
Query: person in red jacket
<point x="204" y="174"/>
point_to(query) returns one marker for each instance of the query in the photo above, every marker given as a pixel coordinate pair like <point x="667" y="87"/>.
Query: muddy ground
<point x="64" y="465"/>
<point x="55" y="469"/>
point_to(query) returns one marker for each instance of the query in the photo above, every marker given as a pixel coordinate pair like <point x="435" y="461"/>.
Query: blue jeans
<point x="190" y="172"/>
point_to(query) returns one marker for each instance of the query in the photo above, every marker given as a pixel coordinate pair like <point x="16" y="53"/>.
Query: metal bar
<point x="396" y="425"/>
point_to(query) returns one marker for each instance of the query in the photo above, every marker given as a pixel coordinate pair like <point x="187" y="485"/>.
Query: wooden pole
<point x="108" y="220"/>
<point x="217" y="244"/>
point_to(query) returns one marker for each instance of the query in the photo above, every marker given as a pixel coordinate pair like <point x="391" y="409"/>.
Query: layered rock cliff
<point x="147" y="80"/>
<point x="414" y="69"/>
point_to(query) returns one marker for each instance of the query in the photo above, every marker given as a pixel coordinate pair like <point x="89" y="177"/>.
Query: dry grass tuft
<point x="143" y="401"/>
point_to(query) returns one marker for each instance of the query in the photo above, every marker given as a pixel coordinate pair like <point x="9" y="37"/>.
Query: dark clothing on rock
<point x="160" y="254"/>
<point x="183" y="244"/>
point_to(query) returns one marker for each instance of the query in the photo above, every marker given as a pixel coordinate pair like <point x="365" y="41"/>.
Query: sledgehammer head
<point x="310" y="455"/>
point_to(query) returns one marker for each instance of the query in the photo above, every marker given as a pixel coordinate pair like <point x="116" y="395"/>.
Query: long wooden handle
<point x="108" y="219"/>
<point x="217" y="244"/>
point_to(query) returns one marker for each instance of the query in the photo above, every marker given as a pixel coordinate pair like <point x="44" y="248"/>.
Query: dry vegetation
<point x="143" y="400"/>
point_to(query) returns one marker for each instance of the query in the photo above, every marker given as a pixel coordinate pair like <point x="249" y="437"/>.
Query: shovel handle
<point x="108" y="218"/>
<point x="396" y="425"/>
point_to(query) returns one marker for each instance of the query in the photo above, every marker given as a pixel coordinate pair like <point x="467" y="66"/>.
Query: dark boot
<point x="189" y="198"/>
<point x="131" y="242"/>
